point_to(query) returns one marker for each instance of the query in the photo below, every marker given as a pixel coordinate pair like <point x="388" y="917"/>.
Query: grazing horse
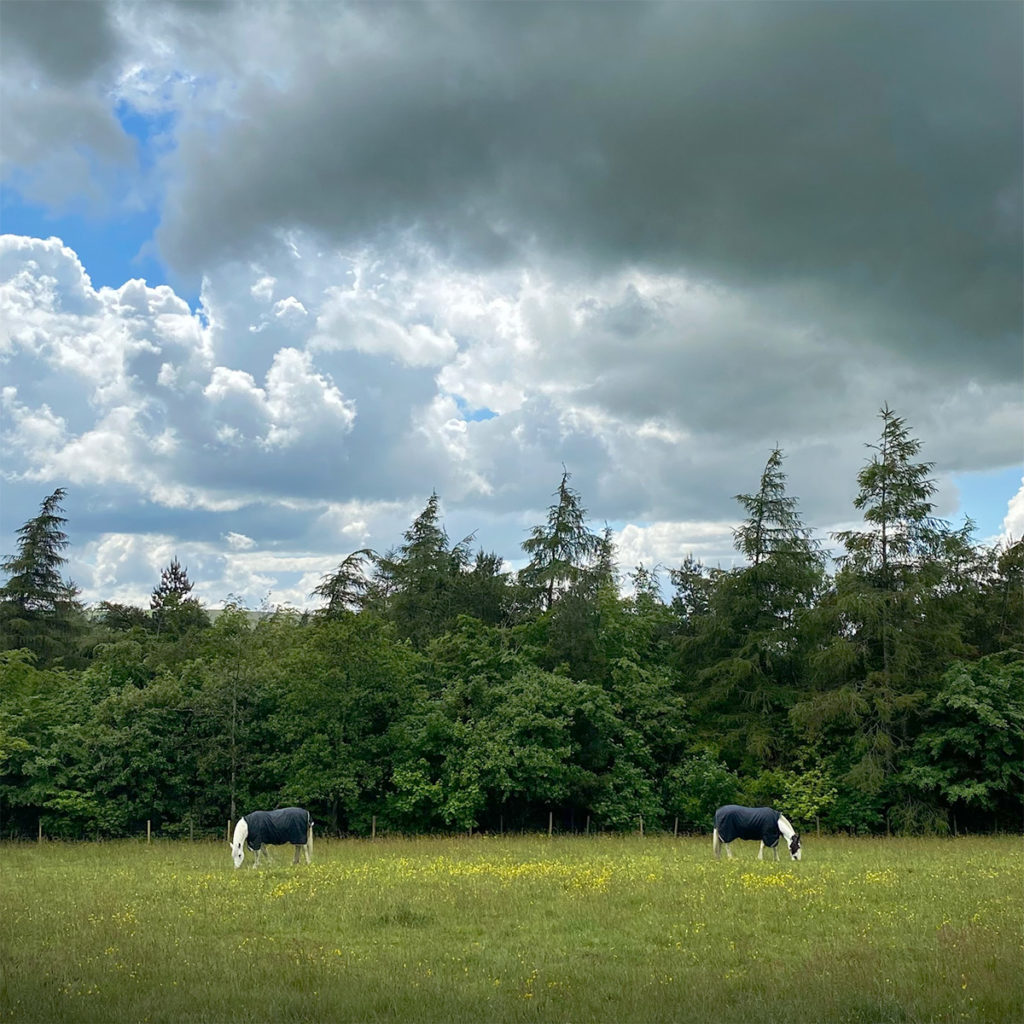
<point x="734" y="822"/>
<point x="273" y="828"/>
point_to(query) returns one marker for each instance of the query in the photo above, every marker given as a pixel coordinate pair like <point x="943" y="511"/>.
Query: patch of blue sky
<point x="471" y="415"/>
<point x="113" y="247"/>
<point x="152" y="131"/>
<point x="114" y="239"/>
<point x="985" y="495"/>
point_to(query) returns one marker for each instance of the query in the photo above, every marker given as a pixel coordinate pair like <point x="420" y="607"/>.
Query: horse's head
<point x="237" y="843"/>
<point x="794" y="847"/>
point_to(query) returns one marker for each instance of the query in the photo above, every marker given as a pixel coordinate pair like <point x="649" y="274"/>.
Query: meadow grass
<point x="514" y="929"/>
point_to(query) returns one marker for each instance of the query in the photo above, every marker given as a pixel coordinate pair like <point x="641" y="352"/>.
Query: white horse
<point x="273" y="828"/>
<point x="735" y="822"/>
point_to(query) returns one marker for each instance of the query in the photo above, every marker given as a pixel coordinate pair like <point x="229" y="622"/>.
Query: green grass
<point x="514" y="929"/>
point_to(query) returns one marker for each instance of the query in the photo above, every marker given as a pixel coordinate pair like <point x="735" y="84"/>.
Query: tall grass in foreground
<point x="514" y="929"/>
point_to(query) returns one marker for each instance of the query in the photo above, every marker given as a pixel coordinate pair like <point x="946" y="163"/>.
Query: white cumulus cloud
<point x="1013" y="523"/>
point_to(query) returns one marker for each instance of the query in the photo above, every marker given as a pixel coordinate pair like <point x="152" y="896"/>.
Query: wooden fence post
<point x="40" y="839"/>
<point x="588" y="824"/>
<point x="675" y="829"/>
<point x="373" y="827"/>
<point x="641" y="826"/>
<point x="149" y="835"/>
<point x="229" y="830"/>
<point x="551" y="822"/>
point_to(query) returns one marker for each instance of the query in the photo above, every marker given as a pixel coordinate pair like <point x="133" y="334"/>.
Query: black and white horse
<point x="273" y="828"/>
<point x="735" y="822"/>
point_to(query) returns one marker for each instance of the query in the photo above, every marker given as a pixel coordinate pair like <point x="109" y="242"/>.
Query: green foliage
<point x="773" y="528"/>
<point x="562" y="550"/>
<point x="809" y="794"/>
<point x="45" y="719"/>
<point x="697" y="787"/>
<point x="504" y="747"/>
<point x="998" y="620"/>
<point x="39" y="610"/>
<point x="341" y="691"/>
<point x="436" y="691"/>
<point x="173" y="612"/>
<point x="892" y="622"/>
<point x="345" y="589"/>
<point x="803" y="795"/>
<point x="971" y="754"/>
<point x="744" y="646"/>
<point x="895" y="492"/>
<point x="424" y="585"/>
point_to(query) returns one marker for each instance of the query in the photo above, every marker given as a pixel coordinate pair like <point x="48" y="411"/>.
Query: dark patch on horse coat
<point x="277" y="828"/>
<point x="735" y="822"/>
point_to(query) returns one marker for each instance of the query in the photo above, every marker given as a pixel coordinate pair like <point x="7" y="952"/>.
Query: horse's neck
<point x="785" y="828"/>
<point x="241" y="832"/>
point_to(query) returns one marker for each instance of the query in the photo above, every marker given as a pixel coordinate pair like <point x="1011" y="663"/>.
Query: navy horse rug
<point x="277" y="828"/>
<point x="735" y="822"/>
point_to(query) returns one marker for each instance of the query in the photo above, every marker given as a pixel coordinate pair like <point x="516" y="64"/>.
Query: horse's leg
<point x="295" y="859"/>
<point x="760" y="852"/>
<point x="775" y="850"/>
<point x="309" y="844"/>
<point x="716" y="845"/>
<point x="728" y="851"/>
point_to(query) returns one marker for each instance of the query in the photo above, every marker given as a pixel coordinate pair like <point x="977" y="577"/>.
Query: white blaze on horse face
<point x="238" y="842"/>
<point x="790" y="835"/>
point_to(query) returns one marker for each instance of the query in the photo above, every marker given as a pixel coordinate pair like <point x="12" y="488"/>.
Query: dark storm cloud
<point x="62" y="141"/>
<point x="69" y="40"/>
<point x="870" y="152"/>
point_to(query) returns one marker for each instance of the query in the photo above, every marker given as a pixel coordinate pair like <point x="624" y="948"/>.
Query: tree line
<point x="881" y="690"/>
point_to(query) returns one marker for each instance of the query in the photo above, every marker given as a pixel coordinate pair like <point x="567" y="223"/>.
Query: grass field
<point x="514" y="929"/>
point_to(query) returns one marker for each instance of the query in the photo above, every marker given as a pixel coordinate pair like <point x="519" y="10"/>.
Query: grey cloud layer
<point x="655" y="239"/>
<point x="870" y="153"/>
<point x="61" y="139"/>
<point x="70" y="41"/>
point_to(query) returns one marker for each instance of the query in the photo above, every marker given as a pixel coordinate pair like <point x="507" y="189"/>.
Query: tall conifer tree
<point x="37" y="606"/>
<point x="419" y="586"/>
<point x="345" y="589"/>
<point x="174" y="610"/>
<point x="561" y="550"/>
<point x="745" y="644"/>
<point x="895" y="497"/>
<point x="889" y="628"/>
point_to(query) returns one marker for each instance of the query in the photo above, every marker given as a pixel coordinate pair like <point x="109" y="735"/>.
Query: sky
<point x="271" y="274"/>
